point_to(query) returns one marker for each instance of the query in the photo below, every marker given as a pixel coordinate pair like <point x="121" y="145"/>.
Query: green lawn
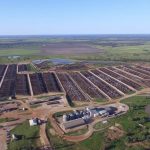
<point x="30" y="136"/>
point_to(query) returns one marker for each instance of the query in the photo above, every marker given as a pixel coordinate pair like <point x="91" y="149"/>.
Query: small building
<point x="104" y="122"/>
<point x="103" y="112"/>
<point x="93" y="113"/>
<point x="14" y="137"/>
<point x="33" y="122"/>
<point x="73" y="123"/>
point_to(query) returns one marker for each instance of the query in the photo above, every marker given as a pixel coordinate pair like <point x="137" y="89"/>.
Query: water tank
<point x="65" y="118"/>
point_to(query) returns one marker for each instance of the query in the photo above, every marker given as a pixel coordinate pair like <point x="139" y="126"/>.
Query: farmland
<point x="38" y="84"/>
<point x="99" y="84"/>
<point x="72" y="90"/>
<point x="51" y="82"/>
<point x="102" y="85"/>
<point x="90" y="47"/>
<point x="7" y="87"/>
<point x="22" y="85"/>
<point x="120" y="78"/>
<point x="112" y="81"/>
<point x="88" y="88"/>
<point x="22" y="67"/>
<point x="42" y="93"/>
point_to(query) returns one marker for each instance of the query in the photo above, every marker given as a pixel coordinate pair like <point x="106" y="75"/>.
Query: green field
<point x="113" y="48"/>
<point x="18" y="52"/>
<point x="78" y="132"/>
<point x="29" y="137"/>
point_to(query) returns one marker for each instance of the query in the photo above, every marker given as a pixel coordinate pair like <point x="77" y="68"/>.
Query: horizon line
<point x="75" y="34"/>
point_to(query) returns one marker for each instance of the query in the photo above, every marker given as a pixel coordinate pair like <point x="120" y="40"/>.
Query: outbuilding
<point x="33" y="122"/>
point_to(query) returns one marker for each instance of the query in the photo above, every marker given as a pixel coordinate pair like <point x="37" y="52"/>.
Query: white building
<point x="33" y="122"/>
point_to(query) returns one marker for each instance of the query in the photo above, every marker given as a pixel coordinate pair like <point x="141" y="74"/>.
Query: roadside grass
<point x="6" y="120"/>
<point x="31" y="68"/>
<point x="101" y="125"/>
<point x="98" y="100"/>
<point x="29" y="138"/>
<point x="56" y="141"/>
<point x="78" y="132"/>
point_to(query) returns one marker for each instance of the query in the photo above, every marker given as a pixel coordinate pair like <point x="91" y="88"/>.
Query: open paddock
<point x="71" y="89"/>
<point x="2" y="70"/>
<point x="112" y="81"/>
<point x="38" y="84"/>
<point x="51" y="82"/>
<point x="86" y="86"/>
<point x="121" y="78"/>
<point x="134" y="71"/>
<point x="22" y="68"/>
<point x="22" y="85"/>
<point x="7" y="88"/>
<point x="130" y="76"/>
<point x="112" y="93"/>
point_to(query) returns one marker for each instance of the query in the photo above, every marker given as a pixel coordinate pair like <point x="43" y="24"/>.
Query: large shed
<point x="73" y="123"/>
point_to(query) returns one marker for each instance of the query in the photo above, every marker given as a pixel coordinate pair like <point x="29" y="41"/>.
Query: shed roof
<point x="73" y="123"/>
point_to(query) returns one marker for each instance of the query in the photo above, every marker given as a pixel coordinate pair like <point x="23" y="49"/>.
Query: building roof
<point x="33" y="122"/>
<point x="73" y="123"/>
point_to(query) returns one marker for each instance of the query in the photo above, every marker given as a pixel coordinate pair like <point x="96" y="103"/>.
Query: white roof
<point x="33" y="122"/>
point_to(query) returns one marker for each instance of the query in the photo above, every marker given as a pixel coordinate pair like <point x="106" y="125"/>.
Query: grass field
<point x="116" y="48"/>
<point x="78" y="132"/>
<point x="19" y="52"/>
<point x="30" y="137"/>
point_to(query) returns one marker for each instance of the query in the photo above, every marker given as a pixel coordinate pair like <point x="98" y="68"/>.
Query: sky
<point x="40" y="17"/>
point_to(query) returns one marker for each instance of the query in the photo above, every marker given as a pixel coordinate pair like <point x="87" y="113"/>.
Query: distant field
<point x="108" y="47"/>
<point x="9" y="52"/>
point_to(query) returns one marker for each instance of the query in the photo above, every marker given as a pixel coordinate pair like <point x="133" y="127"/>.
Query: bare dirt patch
<point x="52" y="132"/>
<point x="69" y="48"/>
<point x="115" y="133"/>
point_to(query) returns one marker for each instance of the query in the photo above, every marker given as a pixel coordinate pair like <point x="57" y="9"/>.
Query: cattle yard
<point x="95" y="93"/>
<point x="106" y="83"/>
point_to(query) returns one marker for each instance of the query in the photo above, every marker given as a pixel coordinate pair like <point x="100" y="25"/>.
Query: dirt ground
<point x="69" y="48"/>
<point x="115" y="132"/>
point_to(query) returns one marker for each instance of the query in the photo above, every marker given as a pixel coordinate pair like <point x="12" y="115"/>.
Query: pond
<point x="55" y="61"/>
